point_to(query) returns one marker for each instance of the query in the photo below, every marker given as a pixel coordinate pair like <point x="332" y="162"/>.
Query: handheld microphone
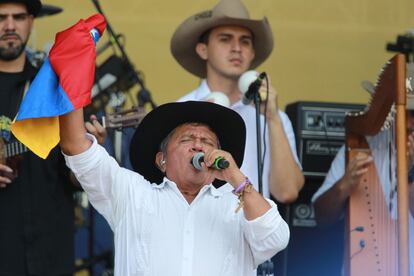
<point x="219" y="163"/>
<point x="249" y="84"/>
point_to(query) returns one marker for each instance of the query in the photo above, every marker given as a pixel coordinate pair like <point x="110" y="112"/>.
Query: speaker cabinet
<point x="312" y="250"/>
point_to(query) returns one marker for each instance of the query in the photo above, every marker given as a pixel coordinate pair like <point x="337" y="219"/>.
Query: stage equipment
<point x="320" y="132"/>
<point x="118" y="73"/>
<point x="404" y="44"/>
<point x="252" y="88"/>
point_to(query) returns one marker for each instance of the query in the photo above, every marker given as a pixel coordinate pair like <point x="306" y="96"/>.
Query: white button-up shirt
<point x="158" y="233"/>
<point x="248" y="113"/>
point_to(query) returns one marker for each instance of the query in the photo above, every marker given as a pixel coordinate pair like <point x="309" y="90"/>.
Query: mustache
<point x="10" y="34"/>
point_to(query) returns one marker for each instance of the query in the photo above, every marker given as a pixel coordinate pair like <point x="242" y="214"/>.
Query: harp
<point x="376" y="239"/>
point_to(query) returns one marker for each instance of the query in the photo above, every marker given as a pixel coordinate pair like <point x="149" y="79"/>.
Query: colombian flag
<point x="62" y="85"/>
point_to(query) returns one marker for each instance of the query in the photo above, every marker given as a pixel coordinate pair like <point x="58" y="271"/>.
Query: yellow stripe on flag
<point x="40" y="135"/>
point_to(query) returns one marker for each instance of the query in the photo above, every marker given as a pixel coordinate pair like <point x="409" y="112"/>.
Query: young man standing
<point x="219" y="45"/>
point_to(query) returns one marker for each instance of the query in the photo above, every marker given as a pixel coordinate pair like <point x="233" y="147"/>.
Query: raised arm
<point x="73" y="133"/>
<point x="285" y="178"/>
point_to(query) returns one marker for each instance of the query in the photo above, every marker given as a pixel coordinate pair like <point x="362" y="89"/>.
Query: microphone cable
<point x="362" y="243"/>
<point x="361" y="247"/>
<point x="265" y="122"/>
<point x="358" y="229"/>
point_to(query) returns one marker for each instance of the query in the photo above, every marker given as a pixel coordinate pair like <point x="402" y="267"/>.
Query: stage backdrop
<point x="323" y="48"/>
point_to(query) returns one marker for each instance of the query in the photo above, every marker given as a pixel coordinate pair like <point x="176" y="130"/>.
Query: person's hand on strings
<point x="356" y="168"/>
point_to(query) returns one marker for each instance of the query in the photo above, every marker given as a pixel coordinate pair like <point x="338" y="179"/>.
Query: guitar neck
<point x="14" y="148"/>
<point x="128" y="118"/>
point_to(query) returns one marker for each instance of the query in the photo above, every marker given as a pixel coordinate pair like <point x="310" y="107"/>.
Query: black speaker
<point x="320" y="132"/>
<point x="313" y="250"/>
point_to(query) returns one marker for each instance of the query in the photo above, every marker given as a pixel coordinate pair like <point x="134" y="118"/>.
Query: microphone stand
<point x="132" y="72"/>
<point x="266" y="268"/>
<point x="257" y="101"/>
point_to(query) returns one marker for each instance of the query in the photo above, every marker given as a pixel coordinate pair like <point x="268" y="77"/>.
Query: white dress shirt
<point x="158" y="233"/>
<point x="248" y="113"/>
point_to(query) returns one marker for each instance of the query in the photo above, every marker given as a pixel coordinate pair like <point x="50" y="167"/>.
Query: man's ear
<point x="201" y="49"/>
<point x="160" y="161"/>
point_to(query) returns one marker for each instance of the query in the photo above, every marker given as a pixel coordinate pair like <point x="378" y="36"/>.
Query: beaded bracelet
<point x="244" y="187"/>
<point x="241" y="186"/>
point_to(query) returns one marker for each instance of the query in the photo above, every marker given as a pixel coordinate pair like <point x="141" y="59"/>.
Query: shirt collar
<point x="203" y="91"/>
<point x="213" y="191"/>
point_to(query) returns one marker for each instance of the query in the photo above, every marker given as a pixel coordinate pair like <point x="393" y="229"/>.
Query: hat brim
<point x="48" y="10"/>
<point x="157" y="124"/>
<point x="33" y="6"/>
<point x="186" y="37"/>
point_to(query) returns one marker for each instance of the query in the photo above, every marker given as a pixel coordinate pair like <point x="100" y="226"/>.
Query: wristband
<point x="241" y="186"/>
<point x="244" y="187"/>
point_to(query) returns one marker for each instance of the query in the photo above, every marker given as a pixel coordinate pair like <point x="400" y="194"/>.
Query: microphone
<point x="249" y="84"/>
<point x="219" y="163"/>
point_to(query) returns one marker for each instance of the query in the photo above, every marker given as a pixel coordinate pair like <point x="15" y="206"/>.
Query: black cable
<point x="132" y="73"/>
<point x="361" y="247"/>
<point x="265" y="123"/>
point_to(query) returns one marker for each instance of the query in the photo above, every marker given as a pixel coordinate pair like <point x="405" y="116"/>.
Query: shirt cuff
<point x="265" y="225"/>
<point x="80" y="162"/>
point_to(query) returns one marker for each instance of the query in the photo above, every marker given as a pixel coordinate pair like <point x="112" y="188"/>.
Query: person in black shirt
<point x="36" y="201"/>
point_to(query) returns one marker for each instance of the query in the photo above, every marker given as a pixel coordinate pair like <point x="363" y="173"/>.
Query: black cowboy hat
<point x="47" y="10"/>
<point x="33" y="6"/>
<point x="157" y="124"/>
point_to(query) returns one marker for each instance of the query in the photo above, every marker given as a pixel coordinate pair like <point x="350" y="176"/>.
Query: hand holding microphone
<point x="252" y="83"/>
<point x="220" y="166"/>
<point x="219" y="163"/>
<point x="249" y="85"/>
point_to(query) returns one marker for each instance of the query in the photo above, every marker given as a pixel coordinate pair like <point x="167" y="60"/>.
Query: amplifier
<point x="320" y="132"/>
